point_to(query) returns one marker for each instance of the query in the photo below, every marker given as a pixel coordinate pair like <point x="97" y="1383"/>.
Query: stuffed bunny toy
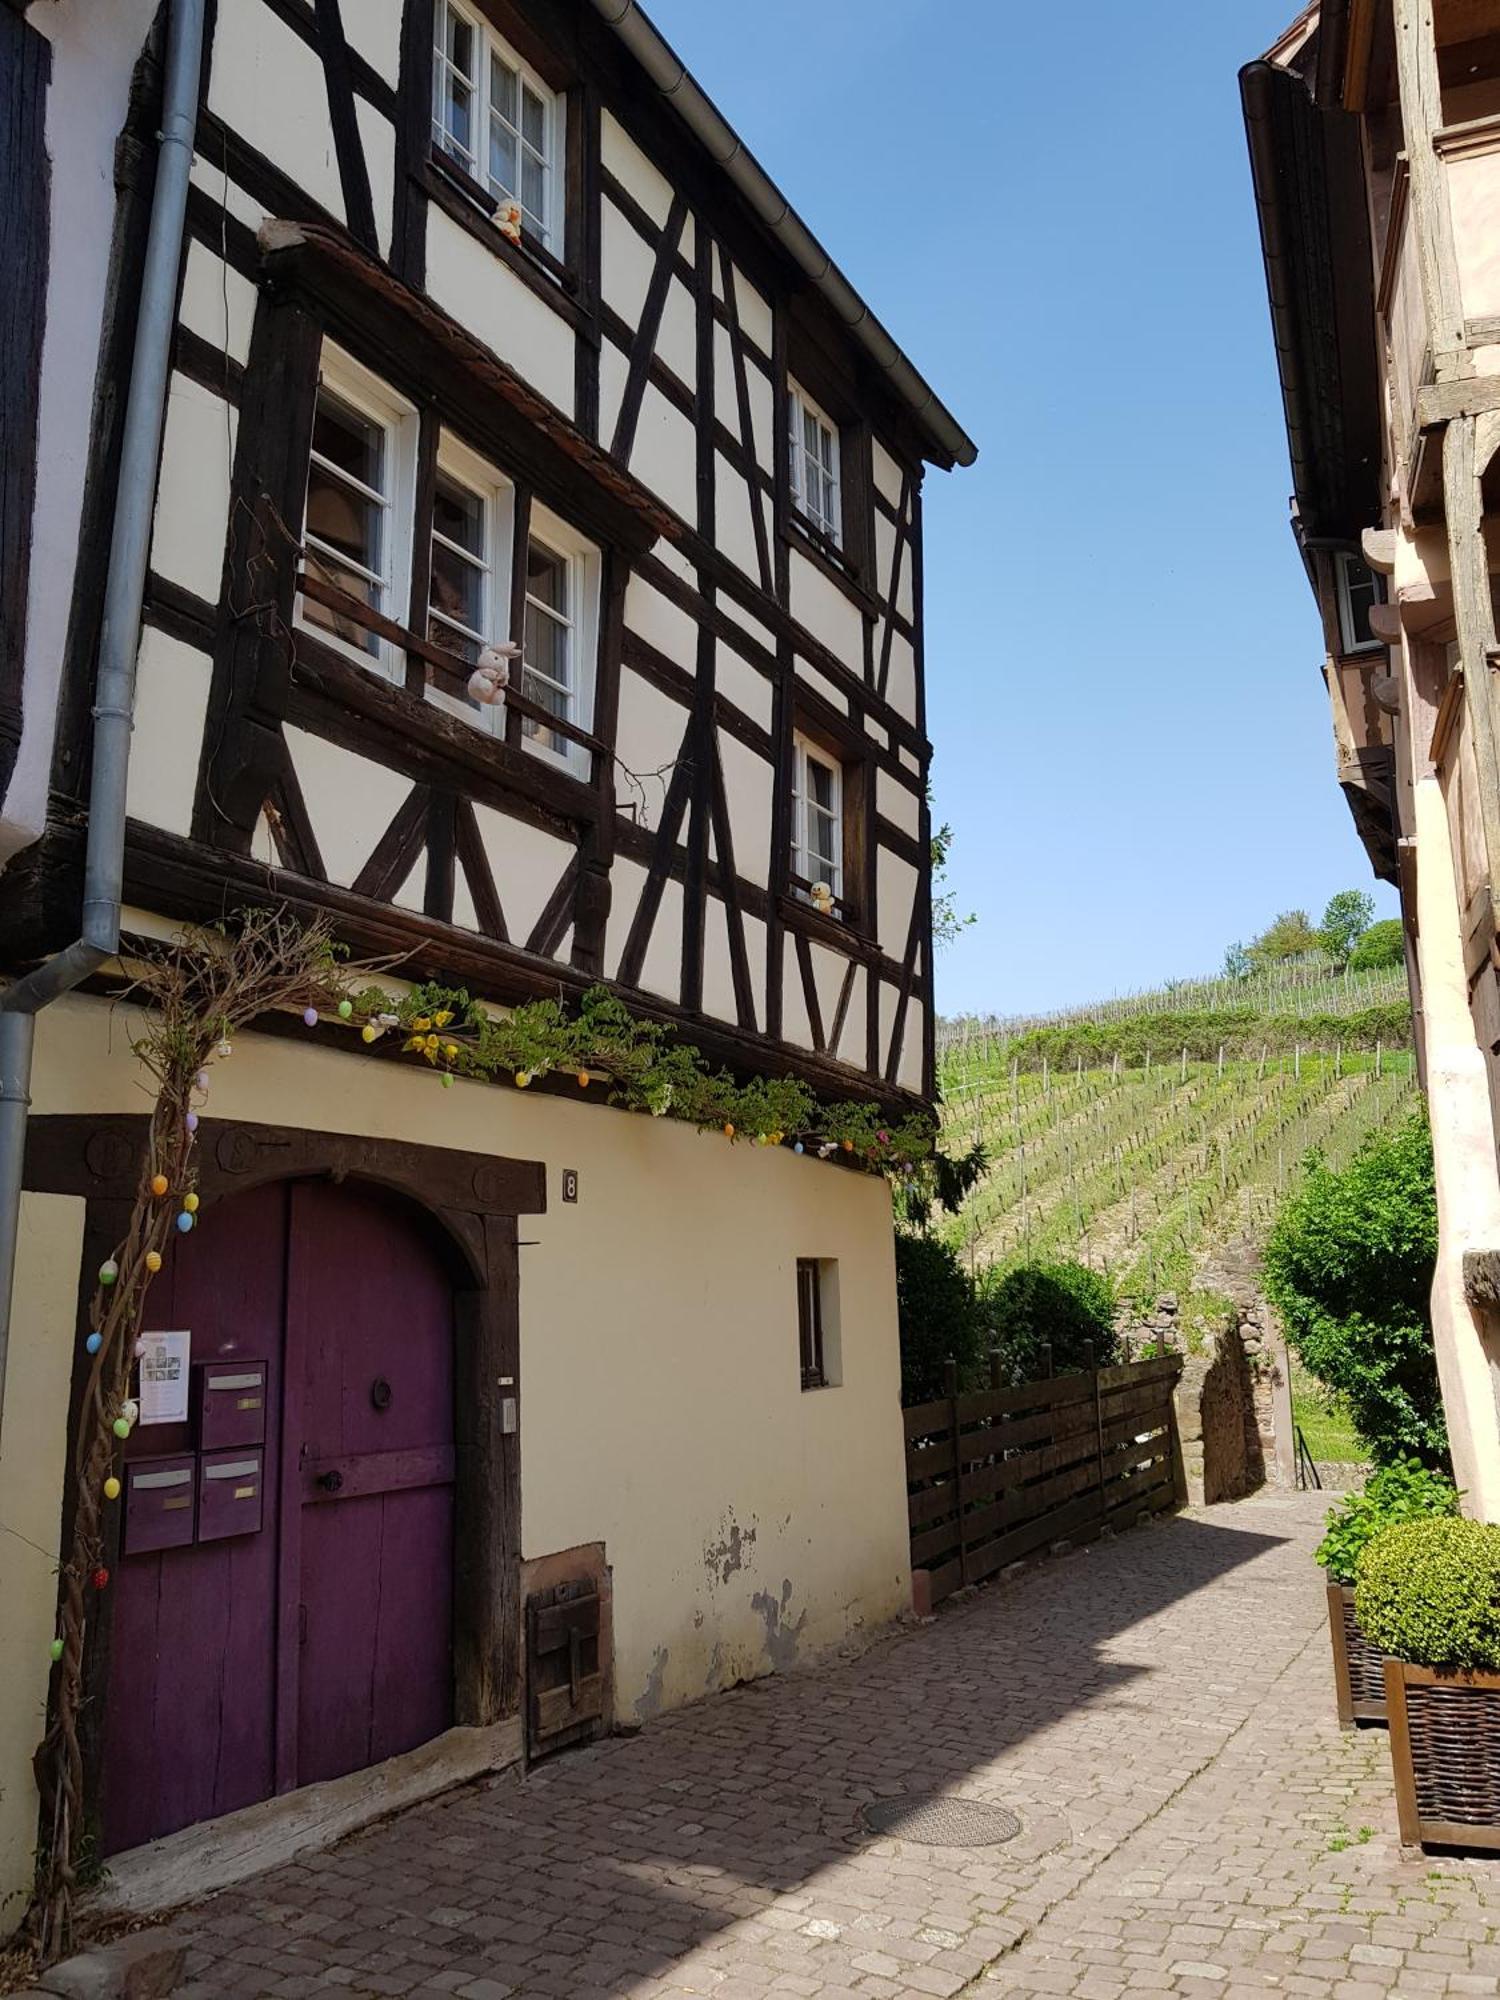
<point x="491" y="676"/>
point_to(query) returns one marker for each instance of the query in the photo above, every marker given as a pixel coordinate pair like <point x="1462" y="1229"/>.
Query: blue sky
<point x="1052" y="214"/>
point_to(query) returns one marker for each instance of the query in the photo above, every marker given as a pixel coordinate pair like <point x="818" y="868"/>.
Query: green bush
<point x="1381" y="946"/>
<point x="1406" y="1490"/>
<point x="1348" y="1265"/>
<point x="1429" y="1592"/>
<point x="937" y="1313"/>
<point x="1064" y="1306"/>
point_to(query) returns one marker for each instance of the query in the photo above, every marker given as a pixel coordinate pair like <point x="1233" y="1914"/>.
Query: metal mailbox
<point x="231" y="1486"/>
<point x="160" y="1499"/>
<point x="229" y="1399"/>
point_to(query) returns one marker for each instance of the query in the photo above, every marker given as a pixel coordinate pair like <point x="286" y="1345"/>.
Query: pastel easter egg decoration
<point x="884" y="1138"/>
<point x="367" y="1033"/>
<point x="848" y="1145"/>
<point x="109" y="1270"/>
<point x="447" y="1079"/>
<point x="310" y="1016"/>
<point x="56" y="1649"/>
<point x="583" y="1079"/>
<point x="100" y="1578"/>
<point x="159" y="1184"/>
<point x="389" y="1020"/>
<point x="94" y="1342"/>
<point x="346" y="1009"/>
<point x="201" y="1079"/>
<point x="797" y="1148"/>
<point x="185" y="1222"/>
<point x="728" y="1131"/>
<point x="130" y="1410"/>
<point x="190" y="1203"/>
<point x="111" y="1488"/>
<point x="450" y="1050"/>
<point x="191" y="1121"/>
<point x="224" y="1049"/>
<point x="120" y="1428"/>
<point x="153" y="1260"/>
<point x="523" y="1078"/>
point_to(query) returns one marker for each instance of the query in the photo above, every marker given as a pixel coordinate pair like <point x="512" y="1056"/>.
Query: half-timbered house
<point x="1374" y="132"/>
<point x="490" y="347"/>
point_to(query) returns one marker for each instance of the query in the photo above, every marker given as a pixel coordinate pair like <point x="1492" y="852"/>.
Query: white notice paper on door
<point x="164" y="1377"/>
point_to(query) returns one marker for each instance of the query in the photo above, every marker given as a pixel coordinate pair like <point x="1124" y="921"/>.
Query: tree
<point x="1345" y="921"/>
<point x="1291" y="936"/>
<point x="946" y="922"/>
<point x="1237" y="962"/>
<point x="1063" y="1306"/>
<point x="1348" y="1265"/>
<point x="1381" y="946"/>
<point x="937" y="1315"/>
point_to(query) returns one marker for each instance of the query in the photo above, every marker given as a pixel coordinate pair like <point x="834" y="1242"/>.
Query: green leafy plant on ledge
<point x="1404" y="1491"/>
<point x="1428" y="1592"/>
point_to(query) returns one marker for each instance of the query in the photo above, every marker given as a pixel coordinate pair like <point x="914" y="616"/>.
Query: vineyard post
<point x="1377" y="1058"/>
<point x="1046" y="1079"/>
<point x="1261" y="1077"/>
<point x="1221" y="1062"/>
<point x="1338" y="1062"/>
<point x="1184" y="1062"/>
<point x="1297" y="1063"/>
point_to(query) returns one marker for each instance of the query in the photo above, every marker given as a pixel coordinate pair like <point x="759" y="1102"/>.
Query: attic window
<point x="497" y="119"/>
<point x="1359" y="590"/>
<point x="814" y="450"/>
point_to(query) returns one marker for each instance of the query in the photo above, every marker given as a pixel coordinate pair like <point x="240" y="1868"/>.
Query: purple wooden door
<point x="246" y="1666"/>
<point x="370" y="1351"/>
<point x="190" y="1710"/>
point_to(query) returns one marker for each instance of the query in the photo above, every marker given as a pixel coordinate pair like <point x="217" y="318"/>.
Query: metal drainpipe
<point x="119" y="636"/>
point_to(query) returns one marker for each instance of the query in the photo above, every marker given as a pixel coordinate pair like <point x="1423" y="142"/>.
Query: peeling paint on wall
<point x="781" y="1638"/>
<point x="648" y="1703"/>
<point x="733" y="1549"/>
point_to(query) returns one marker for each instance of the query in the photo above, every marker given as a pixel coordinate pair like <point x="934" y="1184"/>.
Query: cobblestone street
<point x="1157" y="1711"/>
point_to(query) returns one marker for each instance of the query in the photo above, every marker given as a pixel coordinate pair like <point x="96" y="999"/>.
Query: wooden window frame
<point x="350" y="382"/>
<point x="800" y="406"/>
<point x="810" y="380"/>
<point x="808" y="750"/>
<point x="811" y="1349"/>
<point x="472" y="171"/>
<point x="407" y="656"/>
<point x="1350" y="646"/>
<point x="854" y="901"/>
<point x="497" y="494"/>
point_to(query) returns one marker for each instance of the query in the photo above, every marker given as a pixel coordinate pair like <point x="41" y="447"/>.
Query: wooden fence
<point x="994" y="1475"/>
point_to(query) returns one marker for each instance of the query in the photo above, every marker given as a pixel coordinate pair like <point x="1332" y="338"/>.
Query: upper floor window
<point x="1360" y="590"/>
<point x="495" y="116"/>
<point x="817" y="825"/>
<point x="562" y="591"/>
<point x="814" y="456"/>
<point x="363" y="522"/>
<point x="358" y="501"/>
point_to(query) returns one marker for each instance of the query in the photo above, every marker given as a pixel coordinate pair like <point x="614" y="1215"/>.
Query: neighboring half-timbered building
<point x="498" y="370"/>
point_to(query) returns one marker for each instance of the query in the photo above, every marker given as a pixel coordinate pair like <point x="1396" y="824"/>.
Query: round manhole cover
<point x="936" y="1821"/>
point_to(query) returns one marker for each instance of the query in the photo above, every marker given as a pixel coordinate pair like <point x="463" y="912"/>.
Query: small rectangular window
<point x="356" y="522"/>
<point x="810" y="1322"/>
<point x="813" y="444"/>
<point x="496" y="117"/>
<point x="559" y="635"/>
<point x="1360" y="590"/>
<point x="468" y="592"/>
<point x="817" y="826"/>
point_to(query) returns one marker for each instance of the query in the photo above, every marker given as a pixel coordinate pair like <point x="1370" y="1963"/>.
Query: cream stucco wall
<point x="748" y="1524"/>
<point x="32" y="1451"/>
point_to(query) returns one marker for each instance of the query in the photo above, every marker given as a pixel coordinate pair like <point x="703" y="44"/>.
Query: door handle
<point x="331" y="1482"/>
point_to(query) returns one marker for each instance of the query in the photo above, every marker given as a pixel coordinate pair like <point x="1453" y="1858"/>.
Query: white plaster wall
<point x="661" y="1404"/>
<point x="633" y="170"/>
<point x="268" y="85"/>
<point x="661" y="623"/>
<point x="822" y="684"/>
<point x="746" y="686"/>
<point x="648" y="737"/>
<point x="171" y="701"/>
<point x="909" y="1069"/>
<point x="677" y="337"/>
<point x="748" y="623"/>
<point x="887" y="474"/>
<point x="897" y="803"/>
<point x="498" y="309"/>
<point x="373" y="29"/>
<point x="614" y="369"/>
<point x="824" y="610"/>
<point x="749" y="782"/>
<point x="664" y="456"/>
<point x="895" y="891"/>
<point x="191" y="523"/>
<point x="851" y="1045"/>
<point x="734" y="530"/>
<point x="350" y="801"/>
<point x="93" y="52"/>
<point x="901" y="683"/>
<point x="625" y="261"/>
<point x="217" y="303"/>
<point x="31" y="1482"/>
<point x="527" y="865"/>
<point x="377" y="137"/>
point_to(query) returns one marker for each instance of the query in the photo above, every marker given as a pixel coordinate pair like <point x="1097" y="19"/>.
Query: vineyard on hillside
<point x="1144" y="1159"/>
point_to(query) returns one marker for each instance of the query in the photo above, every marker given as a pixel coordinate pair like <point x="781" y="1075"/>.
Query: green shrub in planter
<point x="1405" y="1491"/>
<point x="1428" y="1592"/>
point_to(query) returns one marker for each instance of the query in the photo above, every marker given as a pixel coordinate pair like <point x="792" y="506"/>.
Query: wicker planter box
<point x="1445" y="1753"/>
<point x="1358" y="1667"/>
